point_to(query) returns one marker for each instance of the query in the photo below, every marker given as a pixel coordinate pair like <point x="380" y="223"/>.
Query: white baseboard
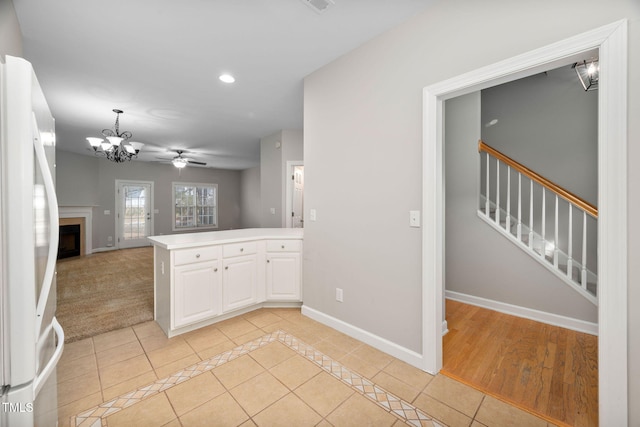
<point x="382" y="344"/>
<point x="107" y="249"/>
<point x="527" y="313"/>
<point x="445" y="328"/>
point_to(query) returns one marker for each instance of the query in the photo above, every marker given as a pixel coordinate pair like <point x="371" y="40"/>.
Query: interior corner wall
<point x="275" y="151"/>
<point x="98" y="190"/>
<point x="476" y="254"/>
<point x="10" y="33"/>
<point x="363" y="127"/>
<point x="271" y="181"/>
<point x="250" y="204"/>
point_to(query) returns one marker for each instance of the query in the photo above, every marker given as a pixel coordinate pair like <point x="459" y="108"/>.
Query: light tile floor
<point x="270" y="367"/>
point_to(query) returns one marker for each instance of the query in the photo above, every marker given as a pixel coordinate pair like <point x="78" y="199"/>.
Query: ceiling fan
<point x="180" y="161"/>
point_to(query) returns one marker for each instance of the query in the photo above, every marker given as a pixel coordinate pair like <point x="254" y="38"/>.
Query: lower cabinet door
<point x="283" y="276"/>
<point x="239" y="282"/>
<point x="196" y="292"/>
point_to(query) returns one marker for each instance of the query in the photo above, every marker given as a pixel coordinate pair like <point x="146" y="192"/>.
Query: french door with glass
<point x="134" y="222"/>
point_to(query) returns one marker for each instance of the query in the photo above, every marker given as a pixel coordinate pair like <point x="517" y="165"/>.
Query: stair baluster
<point x="570" y="248"/>
<point x="577" y="272"/>
<point x="498" y="192"/>
<point x="543" y="248"/>
<point x="507" y="223"/>
<point x="555" y="244"/>
<point x="583" y="279"/>
<point x="530" y="214"/>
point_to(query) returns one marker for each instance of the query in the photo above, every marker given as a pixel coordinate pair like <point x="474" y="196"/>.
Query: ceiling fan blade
<point x="193" y="162"/>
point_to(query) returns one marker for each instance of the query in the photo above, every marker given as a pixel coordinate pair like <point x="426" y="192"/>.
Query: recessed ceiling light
<point x="227" y="78"/>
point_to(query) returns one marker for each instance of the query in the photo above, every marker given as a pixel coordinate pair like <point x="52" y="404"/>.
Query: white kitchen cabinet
<point x="239" y="282"/>
<point x="196" y="292"/>
<point x="283" y="276"/>
<point x="284" y="272"/>
<point x="203" y="278"/>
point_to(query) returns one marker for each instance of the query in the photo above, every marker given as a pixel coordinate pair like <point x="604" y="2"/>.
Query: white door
<point x="134" y="218"/>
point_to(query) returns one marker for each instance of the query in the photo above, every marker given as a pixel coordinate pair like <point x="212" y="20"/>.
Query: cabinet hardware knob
<point x="282" y="246"/>
<point x="268" y="260"/>
<point x="215" y="270"/>
<point x="241" y="249"/>
<point x="227" y="267"/>
<point x="197" y="255"/>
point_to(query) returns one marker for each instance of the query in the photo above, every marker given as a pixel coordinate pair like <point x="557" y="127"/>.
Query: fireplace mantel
<point x="85" y="212"/>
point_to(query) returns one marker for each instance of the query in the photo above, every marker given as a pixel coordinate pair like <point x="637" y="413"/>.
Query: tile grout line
<point x="405" y="411"/>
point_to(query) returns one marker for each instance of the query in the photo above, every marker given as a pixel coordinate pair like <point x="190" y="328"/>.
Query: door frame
<point x="120" y="182"/>
<point x="611" y="41"/>
<point x="291" y="164"/>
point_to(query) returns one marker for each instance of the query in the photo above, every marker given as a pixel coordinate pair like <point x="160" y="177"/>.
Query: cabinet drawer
<point x="284" y="245"/>
<point x="237" y="249"/>
<point x="205" y="253"/>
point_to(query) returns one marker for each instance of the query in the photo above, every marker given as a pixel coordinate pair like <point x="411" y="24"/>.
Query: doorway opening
<point x="611" y="40"/>
<point x="294" y="211"/>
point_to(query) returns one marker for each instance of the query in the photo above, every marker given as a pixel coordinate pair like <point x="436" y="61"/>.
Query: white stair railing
<point x="531" y="234"/>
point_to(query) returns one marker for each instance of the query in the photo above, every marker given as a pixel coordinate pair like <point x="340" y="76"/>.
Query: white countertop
<point x="190" y="240"/>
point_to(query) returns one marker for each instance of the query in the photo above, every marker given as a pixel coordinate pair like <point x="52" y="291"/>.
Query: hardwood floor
<point x="547" y="370"/>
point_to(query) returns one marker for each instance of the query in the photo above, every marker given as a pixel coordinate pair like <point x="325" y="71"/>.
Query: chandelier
<point x="117" y="148"/>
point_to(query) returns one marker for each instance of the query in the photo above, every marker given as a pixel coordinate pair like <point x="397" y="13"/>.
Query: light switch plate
<point x="312" y="214"/>
<point x="414" y="218"/>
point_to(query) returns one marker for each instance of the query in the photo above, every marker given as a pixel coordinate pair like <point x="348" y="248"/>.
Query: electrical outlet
<point x="162" y="267"/>
<point x="339" y="295"/>
<point x="110" y="239"/>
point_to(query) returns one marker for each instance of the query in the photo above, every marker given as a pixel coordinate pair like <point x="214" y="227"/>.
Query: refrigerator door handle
<point x="53" y="226"/>
<point x="41" y="379"/>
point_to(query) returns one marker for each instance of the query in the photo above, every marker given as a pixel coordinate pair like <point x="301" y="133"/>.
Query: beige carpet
<point x="105" y="291"/>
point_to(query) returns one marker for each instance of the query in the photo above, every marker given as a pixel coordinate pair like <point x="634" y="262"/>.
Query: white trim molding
<point x="526" y="313"/>
<point x="85" y="212"/>
<point x="611" y="42"/>
<point x="382" y="344"/>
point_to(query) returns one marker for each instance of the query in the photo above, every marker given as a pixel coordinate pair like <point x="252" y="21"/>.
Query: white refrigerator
<point x="31" y="339"/>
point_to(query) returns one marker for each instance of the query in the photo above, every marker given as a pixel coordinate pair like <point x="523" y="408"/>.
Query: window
<point x="195" y="206"/>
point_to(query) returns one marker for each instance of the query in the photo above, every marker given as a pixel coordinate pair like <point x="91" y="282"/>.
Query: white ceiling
<point x="159" y="61"/>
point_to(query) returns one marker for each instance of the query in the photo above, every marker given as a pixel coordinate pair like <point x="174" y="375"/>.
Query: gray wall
<point x="270" y="181"/>
<point x="89" y="181"/>
<point x="363" y="157"/>
<point x="275" y="151"/>
<point x="250" y="205"/>
<point x="480" y="261"/>
<point x="550" y="124"/>
<point x="10" y="34"/>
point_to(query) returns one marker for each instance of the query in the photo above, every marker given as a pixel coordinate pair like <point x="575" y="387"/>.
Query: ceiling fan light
<point x="106" y="146"/>
<point x="94" y="142"/>
<point x="130" y="149"/>
<point x="179" y="163"/>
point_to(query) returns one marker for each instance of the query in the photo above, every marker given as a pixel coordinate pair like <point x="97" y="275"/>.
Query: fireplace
<point x="72" y="237"/>
<point x="69" y="244"/>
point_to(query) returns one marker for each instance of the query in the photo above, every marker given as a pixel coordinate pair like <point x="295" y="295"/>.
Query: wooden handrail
<point x="568" y="196"/>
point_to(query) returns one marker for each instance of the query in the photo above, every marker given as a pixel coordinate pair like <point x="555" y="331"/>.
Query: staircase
<point x="544" y="220"/>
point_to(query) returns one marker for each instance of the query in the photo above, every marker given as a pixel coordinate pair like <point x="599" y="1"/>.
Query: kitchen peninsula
<point x="203" y="278"/>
